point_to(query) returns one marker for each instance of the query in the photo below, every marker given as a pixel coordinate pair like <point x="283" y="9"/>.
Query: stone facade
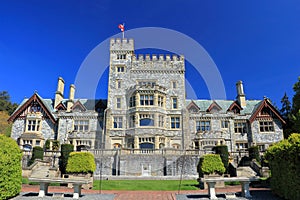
<point x="146" y="125"/>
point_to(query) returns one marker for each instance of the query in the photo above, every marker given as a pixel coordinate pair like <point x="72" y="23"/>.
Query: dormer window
<point x="35" y="107"/>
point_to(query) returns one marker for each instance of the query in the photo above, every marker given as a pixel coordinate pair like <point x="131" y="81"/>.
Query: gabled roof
<point x="233" y="105"/>
<point x="192" y="104"/>
<point x="46" y="105"/>
<point x="61" y="106"/>
<point x="78" y="105"/>
<point x="265" y="103"/>
<point x="214" y="105"/>
<point x="203" y="105"/>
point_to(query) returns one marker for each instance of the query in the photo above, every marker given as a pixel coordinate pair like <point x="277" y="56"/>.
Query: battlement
<point x="161" y="62"/>
<point x="118" y="44"/>
<point x="154" y="57"/>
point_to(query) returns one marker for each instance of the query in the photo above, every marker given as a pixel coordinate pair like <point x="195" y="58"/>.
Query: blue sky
<point x="254" y="41"/>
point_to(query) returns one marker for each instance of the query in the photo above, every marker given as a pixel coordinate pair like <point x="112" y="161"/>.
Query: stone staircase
<point x="40" y="171"/>
<point x="245" y="171"/>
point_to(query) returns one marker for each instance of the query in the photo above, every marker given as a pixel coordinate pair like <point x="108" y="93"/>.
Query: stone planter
<point x="219" y="184"/>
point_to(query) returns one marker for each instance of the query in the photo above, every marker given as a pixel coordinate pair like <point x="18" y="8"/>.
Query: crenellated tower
<point x="146" y="96"/>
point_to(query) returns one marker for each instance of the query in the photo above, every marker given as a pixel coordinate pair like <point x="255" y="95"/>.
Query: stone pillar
<point x="245" y="189"/>
<point x="43" y="189"/>
<point x="211" y="190"/>
<point x="156" y="142"/>
<point x="77" y="191"/>
<point x="136" y="142"/>
<point x="155" y="99"/>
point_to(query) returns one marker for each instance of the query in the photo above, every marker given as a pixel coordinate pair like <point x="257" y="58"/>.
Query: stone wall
<point x="146" y="165"/>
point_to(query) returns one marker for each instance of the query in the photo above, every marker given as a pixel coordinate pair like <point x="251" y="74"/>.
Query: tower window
<point x="146" y="100"/>
<point x="175" y="122"/>
<point x="174" y="103"/>
<point x="121" y="56"/>
<point x="146" y="120"/>
<point x="118" y="84"/>
<point x="118" y="122"/>
<point x="131" y="121"/>
<point x="160" y="101"/>
<point x="132" y="101"/>
<point x="118" y="102"/>
<point x="120" y="69"/>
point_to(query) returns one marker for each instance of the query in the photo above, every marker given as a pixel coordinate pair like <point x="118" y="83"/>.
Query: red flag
<point x="121" y="27"/>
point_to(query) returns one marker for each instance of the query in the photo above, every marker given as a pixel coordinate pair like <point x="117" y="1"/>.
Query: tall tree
<point x="285" y="111"/>
<point x="296" y="107"/>
<point x="296" y="98"/>
<point x="6" y="104"/>
<point x="285" y="106"/>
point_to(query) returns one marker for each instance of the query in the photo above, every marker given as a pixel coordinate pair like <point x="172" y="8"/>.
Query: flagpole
<point x="123" y="30"/>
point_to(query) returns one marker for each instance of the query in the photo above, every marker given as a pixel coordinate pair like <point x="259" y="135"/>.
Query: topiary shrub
<point x="37" y="153"/>
<point x="284" y="161"/>
<point x="210" y="164"/>
<point x="66" y="149"/>
<point x="81" y="162"/>
<point x="254" y="153"/>
<point x="10" y="168"/>
<point x="47" y="144"/>
<point x="222" y="150"/>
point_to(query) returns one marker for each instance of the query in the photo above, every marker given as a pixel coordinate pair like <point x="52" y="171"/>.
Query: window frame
<point x="33" y="125"/>
<point x="146" y="100"/>
<point x="226" y="123"/>
<point x="240" y="126"/>
<point x="175" y="122"/>
<point x="174" y="102"/>
<point x="203" y="125"/>
<point x="81" y="125"/>
<point x="117" y="122"/>
<point x="266" y="128"/>
<point x="118" y="102"/>
<point x="120" y="68"/>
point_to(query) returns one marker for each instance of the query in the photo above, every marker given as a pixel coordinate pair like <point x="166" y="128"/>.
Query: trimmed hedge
<point x="10" y="168"/>
<point x="284" y="162"/>
<point x="37" y="153"/>
<point x="210" y="164"/>
<point x="66" y="149"/>
<point x="222" y="150"/>
<point x="81" y="162"/>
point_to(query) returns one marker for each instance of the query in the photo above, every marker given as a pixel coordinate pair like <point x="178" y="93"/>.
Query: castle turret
<point x="241" y="98"/>
<point x="70" y="102"/>
<point x="59" y="94"/>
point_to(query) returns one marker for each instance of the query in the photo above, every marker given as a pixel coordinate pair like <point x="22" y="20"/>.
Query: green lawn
<point x="146" y="185"/>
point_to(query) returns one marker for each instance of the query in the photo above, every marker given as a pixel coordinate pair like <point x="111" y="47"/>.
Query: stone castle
<point x="146" y="126"/>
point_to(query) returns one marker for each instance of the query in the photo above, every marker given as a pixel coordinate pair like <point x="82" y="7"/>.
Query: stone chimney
<point x="70" y="102"/>
<point x="241" y="98"/>
<point x="59" y="94"/>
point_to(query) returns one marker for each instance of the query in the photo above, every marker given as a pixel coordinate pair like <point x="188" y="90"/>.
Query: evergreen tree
<point x="5" y="103"/>
<point x="296" y="98"/>
<point x="285" y="106"/>
<point x="296" y="107"/>
<point x="285" y="111"/>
